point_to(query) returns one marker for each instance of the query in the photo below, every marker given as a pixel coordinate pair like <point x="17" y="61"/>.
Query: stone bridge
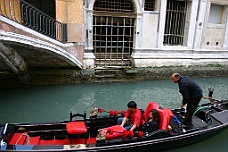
<point x="23" y="51"/>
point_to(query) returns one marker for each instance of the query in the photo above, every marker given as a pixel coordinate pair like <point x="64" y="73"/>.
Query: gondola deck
<point x="209" y="120"/>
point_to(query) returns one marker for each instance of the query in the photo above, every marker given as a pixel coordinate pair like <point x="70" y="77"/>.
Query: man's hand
<point x="123" y="121"/>
<point x="133" y="128"/>
<point x="181" y="105"/>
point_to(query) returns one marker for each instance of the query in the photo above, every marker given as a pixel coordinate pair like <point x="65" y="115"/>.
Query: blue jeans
<point x="127" y="125"/>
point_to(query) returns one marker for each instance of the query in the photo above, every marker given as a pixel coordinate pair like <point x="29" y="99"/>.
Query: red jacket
<point x="135" y="118"/>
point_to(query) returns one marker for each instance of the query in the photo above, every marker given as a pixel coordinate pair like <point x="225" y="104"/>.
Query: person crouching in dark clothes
<point x="192" y="94"/>
<point x="152" y="123"/>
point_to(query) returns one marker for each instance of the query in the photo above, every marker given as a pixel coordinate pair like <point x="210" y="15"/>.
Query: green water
<point x="54" y="103"/>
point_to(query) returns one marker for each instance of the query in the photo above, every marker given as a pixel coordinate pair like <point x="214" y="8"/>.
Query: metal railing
<point x="29" y="16"/>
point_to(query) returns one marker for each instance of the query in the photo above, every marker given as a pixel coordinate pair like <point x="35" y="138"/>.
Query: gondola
<point x="101" y="132"/>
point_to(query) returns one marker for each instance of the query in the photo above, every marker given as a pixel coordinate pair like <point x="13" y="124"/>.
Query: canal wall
<point x="102" y="75"/>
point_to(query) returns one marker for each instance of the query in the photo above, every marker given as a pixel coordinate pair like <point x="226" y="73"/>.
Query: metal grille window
<point x="149" y="5"/>
<point x="113" y="26"/>
<point x="120" y="6"/>
<point x="175" y="22"/>
<point x="113" y="40"/>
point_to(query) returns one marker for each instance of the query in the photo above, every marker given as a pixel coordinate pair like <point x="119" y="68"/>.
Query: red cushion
<point x="150" y="106"/>
<point x="164" y="119"/>
<point x="34" y="140"/>
<point x="165" y="115"/>
<point x="170" y="113"/>
<point x="76" y="127"/>
<point x="117" y="132"/>
<point x="15" y="138"/>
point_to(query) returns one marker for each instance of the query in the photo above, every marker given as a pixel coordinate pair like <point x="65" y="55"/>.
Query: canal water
<point x="54" y="103"/>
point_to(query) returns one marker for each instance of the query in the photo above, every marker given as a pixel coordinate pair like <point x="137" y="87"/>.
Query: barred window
<point x="149" y="5"/>
<point x="175" y="22"/>
<point x="117" y="6"/>
<point x="113" y="32"/>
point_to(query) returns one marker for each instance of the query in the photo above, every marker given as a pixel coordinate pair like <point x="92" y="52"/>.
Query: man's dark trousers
<point x="191" y="108"/>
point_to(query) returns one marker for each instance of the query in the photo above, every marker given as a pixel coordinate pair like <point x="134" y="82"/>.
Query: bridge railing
<point x="29" y="16"/>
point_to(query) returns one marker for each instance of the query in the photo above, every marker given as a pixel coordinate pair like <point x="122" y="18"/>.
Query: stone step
<point x="108" y="71"/>
<point x="108" y="74"/>
<point x="109" y="80"/>
<point x="105" y="76"/>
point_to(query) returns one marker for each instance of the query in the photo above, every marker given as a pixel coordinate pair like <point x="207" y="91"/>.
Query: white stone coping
<point x="179" y="53"/>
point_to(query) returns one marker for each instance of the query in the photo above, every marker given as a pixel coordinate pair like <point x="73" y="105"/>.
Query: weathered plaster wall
<point x="11" y="9"/>
<point x="61" y="14"/>
<point x="71" y="13"/>
<point x="213" y="37"/>
<point x="149" y="30"/>
<point x="222" y="2"/>
<point x="214" y="34"/>
<point x="75" y="21"/>
<point x="149" y="26"/>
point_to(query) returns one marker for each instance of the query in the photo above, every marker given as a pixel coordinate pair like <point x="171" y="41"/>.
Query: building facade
<point x="148" y="33"/>
<point x="135" y="33"/>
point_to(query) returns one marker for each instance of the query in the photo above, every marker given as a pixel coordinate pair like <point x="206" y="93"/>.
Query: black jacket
<point x="189" y="89"/>
<point x="149" y="126"/>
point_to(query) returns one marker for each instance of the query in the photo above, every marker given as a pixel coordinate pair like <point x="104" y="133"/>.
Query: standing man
<point x="132" y="118"/>
<point x="192" y="94"/>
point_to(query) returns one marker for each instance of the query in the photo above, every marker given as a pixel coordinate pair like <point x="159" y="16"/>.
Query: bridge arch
<point x="38" y="45"/>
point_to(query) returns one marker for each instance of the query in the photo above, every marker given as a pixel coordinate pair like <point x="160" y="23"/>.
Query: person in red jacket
<point x="132" y="118"/>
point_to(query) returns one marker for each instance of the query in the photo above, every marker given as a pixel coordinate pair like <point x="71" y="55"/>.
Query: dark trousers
<point x="191" y="108"/>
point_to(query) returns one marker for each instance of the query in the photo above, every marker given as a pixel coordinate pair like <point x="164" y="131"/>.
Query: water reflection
<point x="87" y="100"/>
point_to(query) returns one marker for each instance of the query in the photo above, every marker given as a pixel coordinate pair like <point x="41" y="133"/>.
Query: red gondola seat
<point x="165" y="115"/>
<point x="76" y="127"/>
<point x="150" y="106"/>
